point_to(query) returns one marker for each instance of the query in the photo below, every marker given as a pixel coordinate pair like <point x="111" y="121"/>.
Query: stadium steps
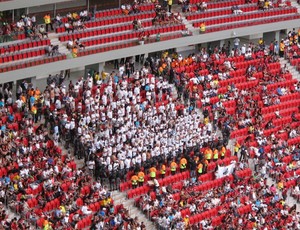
<point x="120" y="198"/>
<point x="296" y="5"/>
<point x="188" y="24"/>
<point x="62" y="48"/>
<point x="296" y="75"/>
<point x="291" y="69"/>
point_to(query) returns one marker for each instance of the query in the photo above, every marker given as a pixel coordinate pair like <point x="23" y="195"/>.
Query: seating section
<point x="292" y="54"/>
<point x="116" y="27"/>
<point x="37" y="57"/>
<point x="275" y="118"/>
<point x="130" y="35"/>
<point x="26" y="54"/>
<point x="38" y="198"/>
<point x="110" y="21"/>
<point x="219" y="15"/>
<point x="249" y="16"/>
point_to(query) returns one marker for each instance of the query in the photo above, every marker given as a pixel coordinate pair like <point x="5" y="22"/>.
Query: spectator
<point x="47" y="20"/>
<point x="42" y="31"/>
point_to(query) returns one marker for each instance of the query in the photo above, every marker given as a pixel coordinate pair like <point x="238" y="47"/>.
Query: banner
<point x="223" y="171"/>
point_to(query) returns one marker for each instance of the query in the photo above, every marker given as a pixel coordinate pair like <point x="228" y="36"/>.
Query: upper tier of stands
<point x="111" y="29"/>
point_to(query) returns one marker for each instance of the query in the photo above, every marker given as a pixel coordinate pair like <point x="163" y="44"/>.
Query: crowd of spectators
<point x="131" y="120"/>
<point x="75" y="21"/>
<point x="27" y="25"/>
<point x="39" y="182"/>
<point x="119" y="122"/>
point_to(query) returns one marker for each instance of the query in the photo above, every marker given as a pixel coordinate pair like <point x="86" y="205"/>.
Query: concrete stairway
<point x="296" y="75"/>
<point x="291" y="69"/>
<point x="295" y="4"/>
<point x="120" y="198"/>
<point x="189" y="26"/>
<point x="54" y="41"/>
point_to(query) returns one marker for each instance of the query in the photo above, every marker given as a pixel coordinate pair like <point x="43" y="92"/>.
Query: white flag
<point x="223" y="171"/>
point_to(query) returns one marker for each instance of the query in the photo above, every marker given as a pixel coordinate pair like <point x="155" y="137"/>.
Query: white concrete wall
<point x="17" y="4"/>
<point x="63" y="5"/>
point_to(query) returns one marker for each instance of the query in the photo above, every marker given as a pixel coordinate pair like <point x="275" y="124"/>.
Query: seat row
<point x="221" y="4"/>
<point x="24" y="45"/>
<point x="247" y="16"/>
<point x="113" y="20"/>
<point x="107" y="13"/>
<point x="284" y="105"/>
<point x="37" y="61"/>
<point x="266" y="20"/>
<point x="22" y="55"/>
<point x="131" y="35"/>
<point x="219" y="12"/>
<point x="293" y="141"/>
<point x="101" y="31"/>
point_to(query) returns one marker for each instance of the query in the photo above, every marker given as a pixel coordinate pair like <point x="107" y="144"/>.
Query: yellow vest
<point x="163" y="170"/>
<point x="34" y="110"/>
<point x="281" y="46"/>
<point x="223" y="151"/>
<point x="47" y="19"/>
<point x="208" y="156"/>
<point x="202" y="27"/>
<point x="152" y="174"/>
<point x="216" y="154"/>
<point x="200" y="167"/>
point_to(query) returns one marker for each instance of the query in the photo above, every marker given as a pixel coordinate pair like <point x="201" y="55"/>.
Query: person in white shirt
<point x="85" y="210"/>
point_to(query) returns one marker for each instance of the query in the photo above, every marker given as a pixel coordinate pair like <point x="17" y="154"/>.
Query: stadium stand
<point x="177" y="135"/>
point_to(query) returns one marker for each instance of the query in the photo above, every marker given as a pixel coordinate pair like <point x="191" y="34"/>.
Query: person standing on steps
<point x="170" y="2"/>
<point x="141" y="177"/>
<point x="173" y="167"/>
<point x="281" y="48"/>
<point x="134" y="181"/>
<point x="47" y="20"/>
<point x="152" y="171"/>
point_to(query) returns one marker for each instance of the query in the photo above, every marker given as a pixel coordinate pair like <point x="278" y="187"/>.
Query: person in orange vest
<point x="163" y="171"/>
<point x="74" y="52"/>
<point x="47" y="20"/>
<point x="208" y="154"/>
<point x="200" y="169"/>
<point x="182" y="164"/>
<point x="202" y="28"/>
<point x="34" y="113"/>
<point x="237" y="147"/>
<point x="216" y="154"/>
<point x="281" y="48"/>
<point x="141" y="176"/>
<point x="134" y="181"/>
<point x="173" y="167"/>
<point x="152" y="171"/>
<point x="37" y="93"/>
<point x="223" y="152"/>
<point x="186" y="221"/>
